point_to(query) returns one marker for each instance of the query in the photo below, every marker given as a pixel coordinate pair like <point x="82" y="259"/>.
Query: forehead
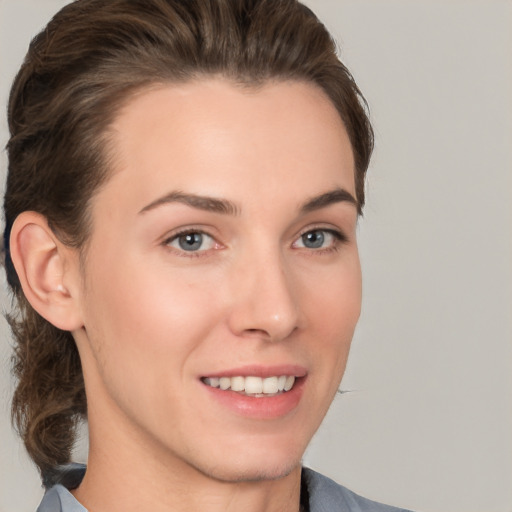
<point x="207" y="134"/>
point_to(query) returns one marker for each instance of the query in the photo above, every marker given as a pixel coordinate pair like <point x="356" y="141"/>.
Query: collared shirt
<point x="318" y="494"/>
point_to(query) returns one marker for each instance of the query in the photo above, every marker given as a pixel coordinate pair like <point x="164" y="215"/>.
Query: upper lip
<point x="261" y="371"/>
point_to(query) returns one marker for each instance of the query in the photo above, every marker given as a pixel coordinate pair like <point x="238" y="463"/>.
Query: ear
<point x="48" y="271"/>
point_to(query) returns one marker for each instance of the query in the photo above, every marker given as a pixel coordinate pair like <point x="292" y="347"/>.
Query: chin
<point x="243" y="473"/>
<point x="237" y="467"/>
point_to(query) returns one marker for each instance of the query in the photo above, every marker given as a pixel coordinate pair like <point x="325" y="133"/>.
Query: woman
<point x="184" y="185"/>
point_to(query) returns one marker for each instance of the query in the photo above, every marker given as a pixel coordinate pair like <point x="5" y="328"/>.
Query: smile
<point x="251" y="385"/>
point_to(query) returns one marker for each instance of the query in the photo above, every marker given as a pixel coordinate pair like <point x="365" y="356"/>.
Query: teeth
<point x="237" y="384"/>
<point x="253" y="385"/>
<point x="289" y="383"/>
<point x="225" y="382"/>
<point x="270" y="385"/>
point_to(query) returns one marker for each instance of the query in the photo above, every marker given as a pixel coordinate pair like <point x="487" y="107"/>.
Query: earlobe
<point x="47" y="269"/>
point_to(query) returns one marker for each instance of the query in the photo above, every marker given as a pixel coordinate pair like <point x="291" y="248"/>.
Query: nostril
<point x="261" y="333"/>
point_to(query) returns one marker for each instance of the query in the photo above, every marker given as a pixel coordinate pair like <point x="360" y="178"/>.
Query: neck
<point x="129" y="476"/>
<point x="129" y="490"/>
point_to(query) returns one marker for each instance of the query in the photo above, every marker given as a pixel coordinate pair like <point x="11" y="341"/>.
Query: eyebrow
<point x="223" y="206"/>
<point x="338" y="195"/>
<point x="209" y="204"/>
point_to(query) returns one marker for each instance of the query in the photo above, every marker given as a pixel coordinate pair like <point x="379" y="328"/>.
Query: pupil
<point x="191" y="241"/>
<point x="313" y="239"/>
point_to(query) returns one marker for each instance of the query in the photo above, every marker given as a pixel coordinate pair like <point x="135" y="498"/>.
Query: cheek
<point x="333" y="297"/>
<point x="145" y="327"/>
<point x="152" y="309"/>
<point x="333" y="306"/>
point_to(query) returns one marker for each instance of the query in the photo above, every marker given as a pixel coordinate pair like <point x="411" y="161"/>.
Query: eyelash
<point x="188" y="254"/>
<point x="339" y="239"/>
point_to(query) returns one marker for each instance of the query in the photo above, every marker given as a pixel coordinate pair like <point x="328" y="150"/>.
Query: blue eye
<point x="192" y="241"/>
<point x="313" y="239"/>
<point x="318" y="239"/>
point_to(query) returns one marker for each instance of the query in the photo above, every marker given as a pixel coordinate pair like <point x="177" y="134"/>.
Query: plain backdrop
<point x="428" y="422"/>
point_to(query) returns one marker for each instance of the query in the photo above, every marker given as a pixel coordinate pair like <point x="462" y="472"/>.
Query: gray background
<point x="429" y="422"/>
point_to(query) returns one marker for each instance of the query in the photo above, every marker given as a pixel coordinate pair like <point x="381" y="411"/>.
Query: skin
<point x="152" y="319"/>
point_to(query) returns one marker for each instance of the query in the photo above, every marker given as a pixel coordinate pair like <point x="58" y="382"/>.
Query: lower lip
<point x="265" y="407"/>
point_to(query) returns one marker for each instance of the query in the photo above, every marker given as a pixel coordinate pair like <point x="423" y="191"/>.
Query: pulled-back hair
<point x="79" y="71"/>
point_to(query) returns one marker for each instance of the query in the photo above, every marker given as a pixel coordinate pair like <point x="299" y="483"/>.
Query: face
<point x="221" y="283"/>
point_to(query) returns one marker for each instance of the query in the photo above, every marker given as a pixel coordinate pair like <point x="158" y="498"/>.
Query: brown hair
<point x="92" y="56"/>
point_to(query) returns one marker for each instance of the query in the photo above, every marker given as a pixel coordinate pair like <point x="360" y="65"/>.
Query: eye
<point x="191" y="241"/>
<point x="319" y="239"/>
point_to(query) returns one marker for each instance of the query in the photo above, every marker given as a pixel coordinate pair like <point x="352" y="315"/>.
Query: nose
<point x="264" y="298"/>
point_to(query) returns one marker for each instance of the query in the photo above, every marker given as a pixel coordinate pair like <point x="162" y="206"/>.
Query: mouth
<point x="252" y="385"/>
<point x="258" y="392"/>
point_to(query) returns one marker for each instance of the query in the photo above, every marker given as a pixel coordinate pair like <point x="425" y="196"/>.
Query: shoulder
<point x="58" y="498"/>
<point x="325" y="495"/>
